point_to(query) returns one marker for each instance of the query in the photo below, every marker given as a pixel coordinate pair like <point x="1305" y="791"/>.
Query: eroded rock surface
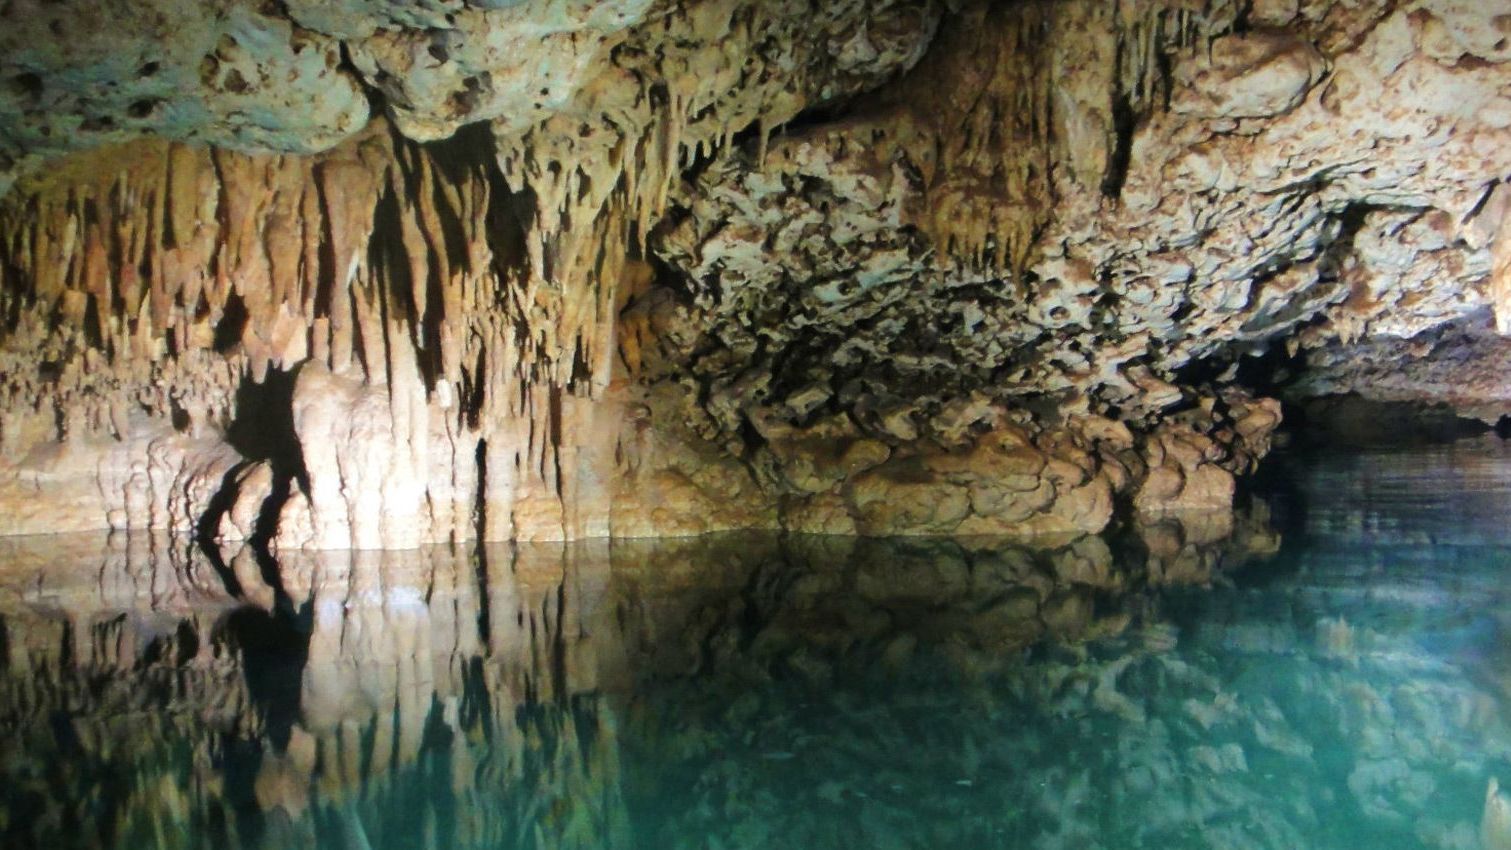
<point x="652" y="267"/>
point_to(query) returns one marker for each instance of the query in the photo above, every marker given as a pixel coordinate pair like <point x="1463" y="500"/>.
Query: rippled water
<point x="1336" y="675"/>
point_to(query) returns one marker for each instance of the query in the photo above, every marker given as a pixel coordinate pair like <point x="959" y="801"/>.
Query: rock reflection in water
<point x="736" y="691"/>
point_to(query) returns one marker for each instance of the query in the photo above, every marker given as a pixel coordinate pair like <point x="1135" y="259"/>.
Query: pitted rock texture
<point x="300" y="76"/>
<point x="1330" y="182"/>
<point x="230" y="73"/>
<point x="672" y="267"/>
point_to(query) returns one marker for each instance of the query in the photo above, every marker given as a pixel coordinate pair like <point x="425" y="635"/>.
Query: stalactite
<point x="177" y="258"/>
<point x="445" y="315"/>
<point x="371" y="264"/>
<point x="987" y="136"/>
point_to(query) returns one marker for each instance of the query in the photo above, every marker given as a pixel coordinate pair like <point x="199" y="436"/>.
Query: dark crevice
<point x="389" y="261"/>
<point x="1354" y="422"/>
<point x="1241" y="22"/>
<point x="480" y="506"/>
<point x="264" y="426"/>
<point x="750" y="437"/>
<point x="1120" y="154"/>
<point x="262" y="432"/>
<point x="274" y="650"/>
<point x="1262" y="368"/>
<point x="206" y="528"/>
<point x="554" y="434"/>
<point x="473" y="389"/>
<point x="1479" y="206"/>
<point x="232" y="324"/>
<point x="92" y="323"/>
<point x="330" y="276"/>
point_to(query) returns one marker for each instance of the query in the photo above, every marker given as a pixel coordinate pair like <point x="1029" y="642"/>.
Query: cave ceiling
<point x="826" y="244"/>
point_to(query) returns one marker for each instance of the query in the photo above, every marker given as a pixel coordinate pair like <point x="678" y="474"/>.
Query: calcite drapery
<point x="167" y="306"/>
<point x="384" y="344"/>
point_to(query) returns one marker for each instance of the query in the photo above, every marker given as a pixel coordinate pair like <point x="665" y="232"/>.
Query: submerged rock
<point x="1495" y="825"/>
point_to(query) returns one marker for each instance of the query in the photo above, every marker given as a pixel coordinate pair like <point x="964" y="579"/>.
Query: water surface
<point x="1332" y="674"/>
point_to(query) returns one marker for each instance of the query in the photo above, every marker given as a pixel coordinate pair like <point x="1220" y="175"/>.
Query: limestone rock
<point x="676" y="267"/>
<point x="1259" y="74"/>
<point x="442" y="66"/>
<point x="248" y="490"/>
<point x="226" y="73"/>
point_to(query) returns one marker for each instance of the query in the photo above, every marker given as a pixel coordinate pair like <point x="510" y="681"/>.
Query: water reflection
<point x="747" y="691"/>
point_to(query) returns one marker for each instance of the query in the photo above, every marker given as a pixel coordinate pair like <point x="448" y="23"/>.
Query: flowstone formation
<point x="383" y="274"/>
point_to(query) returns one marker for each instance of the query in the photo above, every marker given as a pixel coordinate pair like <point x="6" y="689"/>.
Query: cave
<point x="755" y="423"/>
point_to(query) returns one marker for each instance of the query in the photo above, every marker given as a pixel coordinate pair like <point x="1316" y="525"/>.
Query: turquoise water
<point x="1333" y="670"/>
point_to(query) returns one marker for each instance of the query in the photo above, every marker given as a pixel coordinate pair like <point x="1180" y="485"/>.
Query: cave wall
<point x="219" y="323"/>
<point x="387" y="343"/>
<point x="667" y="268"/>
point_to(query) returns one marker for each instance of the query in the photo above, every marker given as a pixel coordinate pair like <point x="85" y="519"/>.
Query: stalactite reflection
<point x="741" y="690"/>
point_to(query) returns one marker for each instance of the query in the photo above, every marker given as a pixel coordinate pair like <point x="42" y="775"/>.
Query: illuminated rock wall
<point x="636" y="268"/>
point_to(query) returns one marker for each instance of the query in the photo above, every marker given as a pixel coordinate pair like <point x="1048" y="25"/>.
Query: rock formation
<point x="375" y="275"/>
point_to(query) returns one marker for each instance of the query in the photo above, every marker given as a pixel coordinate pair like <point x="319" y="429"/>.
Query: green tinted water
<point x="1169" y="687"/>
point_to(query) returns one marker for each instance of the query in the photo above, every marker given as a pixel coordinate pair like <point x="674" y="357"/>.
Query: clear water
<point x="1335" y="674"/>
